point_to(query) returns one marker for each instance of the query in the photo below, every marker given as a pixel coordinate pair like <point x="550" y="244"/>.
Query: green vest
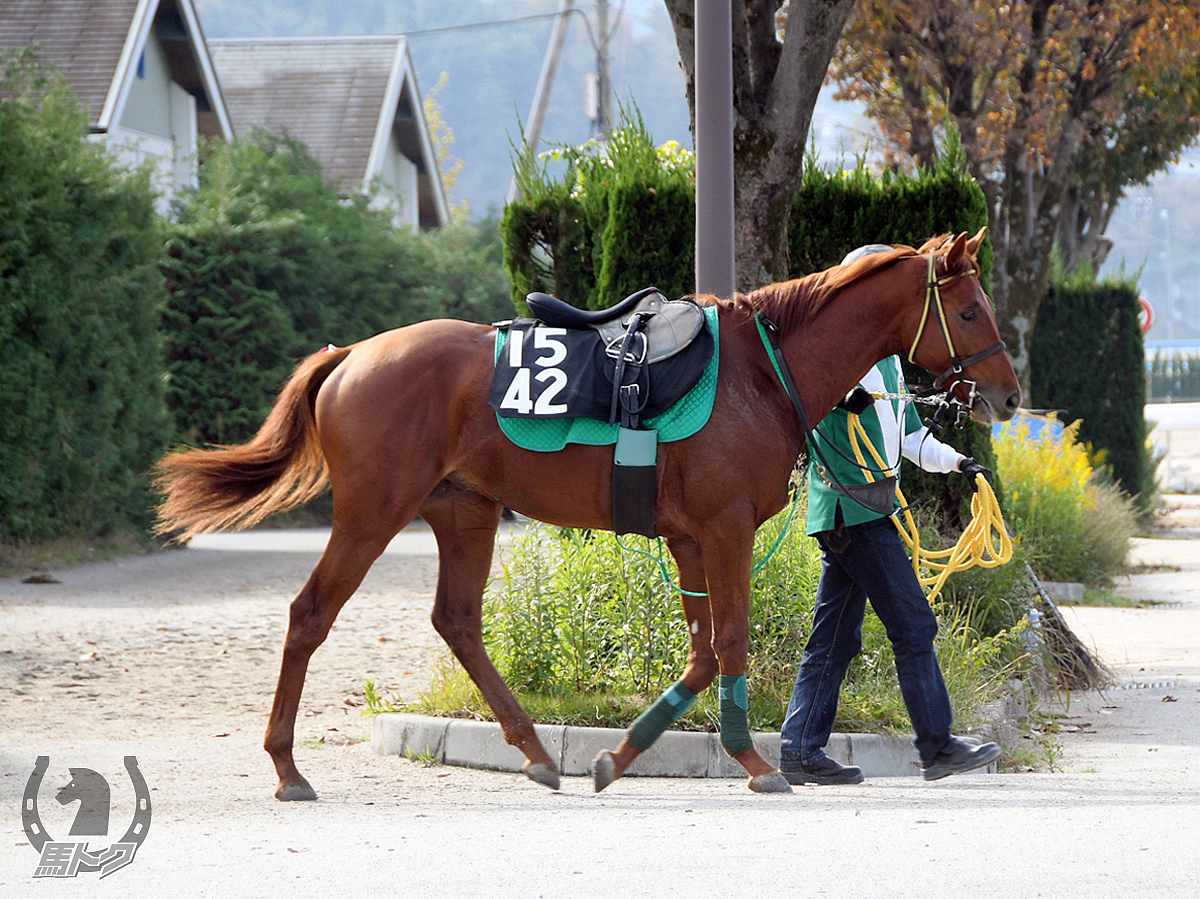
<point x="884" y="434"/>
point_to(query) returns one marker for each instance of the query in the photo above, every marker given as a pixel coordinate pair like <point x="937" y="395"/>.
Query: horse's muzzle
<point x="987" y="408"/>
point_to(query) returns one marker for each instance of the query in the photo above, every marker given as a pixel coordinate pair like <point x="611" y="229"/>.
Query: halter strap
<point x="933" y="298"/>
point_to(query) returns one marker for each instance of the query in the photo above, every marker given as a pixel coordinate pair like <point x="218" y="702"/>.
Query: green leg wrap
<point x="735" y="702"/>
<point x="667" y="709"/>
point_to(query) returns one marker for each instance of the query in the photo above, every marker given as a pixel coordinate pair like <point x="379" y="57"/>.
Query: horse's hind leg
<point x="337" y="575"/>
<point x="465" y="525"/>
<point x="697" y="675"/>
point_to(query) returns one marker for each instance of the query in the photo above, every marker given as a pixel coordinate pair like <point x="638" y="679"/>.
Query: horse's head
<point x="955" y="336"/>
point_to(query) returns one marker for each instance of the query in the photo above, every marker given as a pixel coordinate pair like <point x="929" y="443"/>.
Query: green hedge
<point x="1174" y="378"/>
<point x="1087" y="360"/>
<point x="607" y="225"/>
<point x="80" y="293"/>
<point x="266" y="264"/>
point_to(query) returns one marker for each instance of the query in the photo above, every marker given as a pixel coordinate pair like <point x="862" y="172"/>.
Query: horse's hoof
<point x="771" y="782"/>
<point x="541" y="773"/>
<point x="606" y="770"/>
<point x="297" y="791"/>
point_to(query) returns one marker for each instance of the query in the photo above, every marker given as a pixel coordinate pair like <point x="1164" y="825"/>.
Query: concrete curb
<point x="480" y="744"/>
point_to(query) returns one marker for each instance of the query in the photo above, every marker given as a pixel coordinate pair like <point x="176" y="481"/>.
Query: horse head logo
<point x="92" y="792"/>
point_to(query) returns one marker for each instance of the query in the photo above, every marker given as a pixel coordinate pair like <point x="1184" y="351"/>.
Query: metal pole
<point x="603" y="83"/>
<point x="541" y="96"/>
<point x="715" y="266"/>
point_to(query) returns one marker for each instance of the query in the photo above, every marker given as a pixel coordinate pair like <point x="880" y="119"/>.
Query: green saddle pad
<point x="682" y="420"/>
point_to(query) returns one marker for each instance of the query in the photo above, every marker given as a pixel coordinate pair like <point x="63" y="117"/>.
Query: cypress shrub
<point x="80" y="297"/>
<point x="231" y="342"/>
<point x="1087" y="360"/>
<point x="608" y="225"/>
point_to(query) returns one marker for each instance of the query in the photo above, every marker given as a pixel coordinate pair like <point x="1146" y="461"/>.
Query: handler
<point x="862" y="557"/>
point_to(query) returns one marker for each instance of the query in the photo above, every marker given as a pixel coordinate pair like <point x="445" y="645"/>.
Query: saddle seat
<point x="670" y="325"/>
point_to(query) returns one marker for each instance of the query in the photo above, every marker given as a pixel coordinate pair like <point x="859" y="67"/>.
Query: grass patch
<point x="1102" y="597"/>
<point x="589" y="634"/>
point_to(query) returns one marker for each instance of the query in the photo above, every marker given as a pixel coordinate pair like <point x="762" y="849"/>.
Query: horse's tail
<point x="238" y="486"/>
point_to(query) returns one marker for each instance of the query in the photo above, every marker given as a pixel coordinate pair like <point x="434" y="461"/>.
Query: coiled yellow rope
<point x="976" y="545"/>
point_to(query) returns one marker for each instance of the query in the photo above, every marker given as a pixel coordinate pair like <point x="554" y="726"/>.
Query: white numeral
<point x="547" y="339"/>
<point x="516" y="347"/>
<point x="517" y="397"/>
<point x="545" y="404"/>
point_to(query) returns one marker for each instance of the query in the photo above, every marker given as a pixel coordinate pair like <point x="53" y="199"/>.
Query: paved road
<point x="1121" y="818"/>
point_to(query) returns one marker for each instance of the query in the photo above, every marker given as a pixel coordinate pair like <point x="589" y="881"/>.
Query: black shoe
<point x="824" y="771"/>
<point x="960" y="756"/>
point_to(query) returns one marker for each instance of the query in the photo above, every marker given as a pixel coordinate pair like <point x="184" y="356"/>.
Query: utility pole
<point x="545" y="84"/>
<point x="603" y="82"/>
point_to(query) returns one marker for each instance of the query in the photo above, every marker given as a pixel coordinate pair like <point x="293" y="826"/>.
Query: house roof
<point x="97" y="45"/>
<point x="343" y="97"/>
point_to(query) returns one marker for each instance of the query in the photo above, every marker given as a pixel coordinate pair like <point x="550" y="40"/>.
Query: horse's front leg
<point x="699" y="673"/>
<point x="728" y="554"/>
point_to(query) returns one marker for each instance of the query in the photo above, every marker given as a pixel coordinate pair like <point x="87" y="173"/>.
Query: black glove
<point x="857" y="401"/>
<point x="970" y="468"/>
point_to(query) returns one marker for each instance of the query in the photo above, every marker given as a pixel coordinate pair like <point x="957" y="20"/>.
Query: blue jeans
<point x="873" y="565"/>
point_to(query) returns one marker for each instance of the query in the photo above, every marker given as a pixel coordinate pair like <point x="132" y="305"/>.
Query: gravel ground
<point x="173" y="658"/>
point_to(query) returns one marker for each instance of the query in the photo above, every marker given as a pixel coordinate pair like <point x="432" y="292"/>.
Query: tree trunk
<point x="775" y="87"/>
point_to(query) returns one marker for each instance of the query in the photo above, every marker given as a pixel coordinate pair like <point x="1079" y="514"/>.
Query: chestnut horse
<point x="400" y="426"/>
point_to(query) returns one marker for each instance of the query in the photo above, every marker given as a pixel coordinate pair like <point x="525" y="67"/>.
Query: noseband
<point x="933" y="298"/>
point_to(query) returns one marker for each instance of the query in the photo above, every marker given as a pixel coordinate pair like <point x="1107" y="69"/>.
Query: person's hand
<point x="857" y="401"/>
<point x="970" y="468"/>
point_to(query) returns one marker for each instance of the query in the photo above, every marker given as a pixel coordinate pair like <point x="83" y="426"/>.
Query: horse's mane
<point x="792" y="304"/>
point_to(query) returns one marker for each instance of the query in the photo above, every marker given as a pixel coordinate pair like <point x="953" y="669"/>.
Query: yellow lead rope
<point x="975" y="546"/>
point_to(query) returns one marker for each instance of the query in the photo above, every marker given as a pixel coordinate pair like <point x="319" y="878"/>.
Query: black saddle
<point x="560" y="314"/>
<point x="608" y="361"/>
<point x="625" y="364"/>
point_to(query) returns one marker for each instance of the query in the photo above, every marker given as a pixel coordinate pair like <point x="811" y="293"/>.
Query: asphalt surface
<point x="1119" y="814"/>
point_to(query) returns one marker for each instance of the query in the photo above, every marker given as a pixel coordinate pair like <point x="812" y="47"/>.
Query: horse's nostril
<point x="1013" y="402"/>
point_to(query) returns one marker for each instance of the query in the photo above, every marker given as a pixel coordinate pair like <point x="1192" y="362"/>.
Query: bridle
<point x="953" y="374"/>
<point x="877" y="495"/>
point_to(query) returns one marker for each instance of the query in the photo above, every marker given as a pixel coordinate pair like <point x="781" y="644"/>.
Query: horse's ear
<point x="976" y="242"/>
<point x="954" y="254"/>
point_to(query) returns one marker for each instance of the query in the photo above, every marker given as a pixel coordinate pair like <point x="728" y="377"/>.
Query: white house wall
<point x="400" y="180"/>
<point x="148" y="106"/>
<point x="158" y="122"/>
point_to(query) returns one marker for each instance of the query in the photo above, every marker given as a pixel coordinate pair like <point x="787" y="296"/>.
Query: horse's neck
<point x="831" y="354"/>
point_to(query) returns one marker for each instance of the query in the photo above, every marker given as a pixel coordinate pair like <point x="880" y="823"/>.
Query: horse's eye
<point x="970" y="315"/>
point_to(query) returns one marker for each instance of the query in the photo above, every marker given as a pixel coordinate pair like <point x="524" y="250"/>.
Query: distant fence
<point x="1173" y="378"/>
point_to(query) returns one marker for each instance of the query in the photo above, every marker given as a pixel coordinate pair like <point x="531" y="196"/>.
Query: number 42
<point x="519" y="396"/>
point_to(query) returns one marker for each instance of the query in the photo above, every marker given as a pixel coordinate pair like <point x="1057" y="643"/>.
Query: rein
<point x="874" y="495"/>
